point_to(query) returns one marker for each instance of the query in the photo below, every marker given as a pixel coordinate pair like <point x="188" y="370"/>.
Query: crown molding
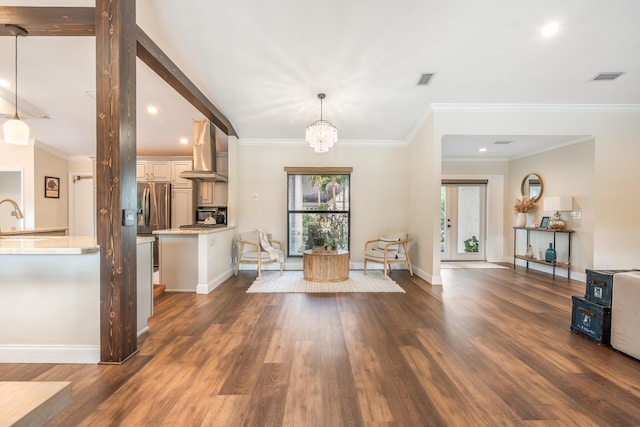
<point x="339" y="143"/>
<point x="536" y="108"/>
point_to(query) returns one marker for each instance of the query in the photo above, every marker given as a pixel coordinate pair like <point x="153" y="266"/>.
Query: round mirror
<point x="532" y="186"/>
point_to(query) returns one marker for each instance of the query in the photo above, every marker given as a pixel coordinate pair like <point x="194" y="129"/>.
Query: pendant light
<point x="321" y="135"/>
<point x="15" y="130"/>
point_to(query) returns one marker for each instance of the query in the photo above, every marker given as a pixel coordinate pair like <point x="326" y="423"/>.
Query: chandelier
<point x="321" y="135"/>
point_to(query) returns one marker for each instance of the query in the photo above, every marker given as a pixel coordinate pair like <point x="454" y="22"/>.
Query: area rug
<point x="469" y="264"/>
<point x="293" y="281"/>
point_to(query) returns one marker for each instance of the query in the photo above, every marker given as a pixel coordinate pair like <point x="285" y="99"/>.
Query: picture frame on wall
<point x="51" y="187"/>
<point x="544" y="222"/>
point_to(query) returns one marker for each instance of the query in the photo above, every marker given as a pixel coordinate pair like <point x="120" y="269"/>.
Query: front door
<point x="463" y="221"/>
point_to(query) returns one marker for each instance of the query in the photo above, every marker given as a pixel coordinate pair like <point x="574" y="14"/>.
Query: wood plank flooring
<point x="490" y="347"/>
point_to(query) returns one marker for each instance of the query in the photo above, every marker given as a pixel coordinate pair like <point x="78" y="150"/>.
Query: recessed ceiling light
<point x="184" y="140"/>
<point x="550" y="29"/>
<point x="4" y="83"/>
<point x="482" y="149"/>
<point x="152" y="110"/>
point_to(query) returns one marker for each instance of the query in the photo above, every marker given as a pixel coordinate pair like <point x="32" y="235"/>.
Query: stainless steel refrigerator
<point x="154" y="210"/>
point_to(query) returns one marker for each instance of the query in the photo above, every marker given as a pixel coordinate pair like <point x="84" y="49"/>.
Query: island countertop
<point x="28" y="231"/>
<point x="54" y="245"/>
<point x="192" y="231"/>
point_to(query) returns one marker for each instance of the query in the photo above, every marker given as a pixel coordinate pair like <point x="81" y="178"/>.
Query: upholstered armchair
<point x="250" y="251"/>
<point x="388" y="251"/>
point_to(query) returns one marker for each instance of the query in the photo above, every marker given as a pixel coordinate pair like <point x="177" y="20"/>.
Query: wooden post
<point x="116" y="181"/>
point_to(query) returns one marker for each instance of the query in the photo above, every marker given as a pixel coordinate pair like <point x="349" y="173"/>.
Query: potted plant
<point x="316" y="235"/>
<point x="471" y="244"/>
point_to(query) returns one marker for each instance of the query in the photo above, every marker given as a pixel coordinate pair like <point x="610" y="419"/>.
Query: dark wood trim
<point x="159" y="62"/>
<point x="464" y="181"/>
<point x="49" y="21"/>
<point x="116" y="180"/>
<point x="305" y="170"/>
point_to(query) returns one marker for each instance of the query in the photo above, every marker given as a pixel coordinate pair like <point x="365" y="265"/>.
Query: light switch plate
<point x="128" y="217"/>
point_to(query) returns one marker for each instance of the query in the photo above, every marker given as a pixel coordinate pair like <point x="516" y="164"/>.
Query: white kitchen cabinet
<point x="153" y="170"/>
<point x="159" y="170"/>
<point x="141" y="170"/>
<point x="215" y="193"/>
<point x="177" y="167"/>
<point x="181" y="207"/>
<point x="205" y="193"/>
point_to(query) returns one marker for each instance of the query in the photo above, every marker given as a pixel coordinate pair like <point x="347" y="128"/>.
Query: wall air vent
<point x="503" y="142"/>
<point x="425" y="79"/>
<point x="607" y="76"/>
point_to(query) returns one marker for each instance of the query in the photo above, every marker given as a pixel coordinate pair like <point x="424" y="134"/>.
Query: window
<point x="318" y="208"/>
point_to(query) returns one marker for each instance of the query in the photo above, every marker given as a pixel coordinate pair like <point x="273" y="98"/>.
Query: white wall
<point x="10" y="188"/>
<point x="615" y="172"/>
<point x="567" y="171"/>
<point x="380" y="201"/>
<point x="50" y="212"/>
<point x="19" y="157"/>
<point x="424" y="201"/>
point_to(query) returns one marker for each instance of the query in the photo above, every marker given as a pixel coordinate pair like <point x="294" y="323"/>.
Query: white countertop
<point x="33" y="231"/>
<point x="54" y="245"/>
<point x="193" y="231"/>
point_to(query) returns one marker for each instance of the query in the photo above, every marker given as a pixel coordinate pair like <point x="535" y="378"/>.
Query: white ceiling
<point x="262" y="63"/>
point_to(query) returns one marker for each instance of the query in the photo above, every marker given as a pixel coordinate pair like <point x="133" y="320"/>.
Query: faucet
<point x="16" y="210"/>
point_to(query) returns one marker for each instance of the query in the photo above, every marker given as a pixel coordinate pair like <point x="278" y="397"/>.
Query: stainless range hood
<point x="204" y="153"/>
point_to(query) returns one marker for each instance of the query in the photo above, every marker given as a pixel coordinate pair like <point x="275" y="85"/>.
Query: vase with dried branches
<point x="521" y="207"/>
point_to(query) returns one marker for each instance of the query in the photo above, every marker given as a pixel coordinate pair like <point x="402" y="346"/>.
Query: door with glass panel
<point x="463" y="221"/>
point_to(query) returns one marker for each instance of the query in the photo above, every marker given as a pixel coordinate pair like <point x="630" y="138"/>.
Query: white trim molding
<point x="536" y="108"/>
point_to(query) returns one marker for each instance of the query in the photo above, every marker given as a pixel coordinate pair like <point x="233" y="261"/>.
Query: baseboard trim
<point x="49" y="354"/>
<point x="204" y="289"/>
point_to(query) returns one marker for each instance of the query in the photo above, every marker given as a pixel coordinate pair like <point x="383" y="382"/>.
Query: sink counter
<point x="186" y="231"/>
<point x="47" y="245"/>
<point x="50" y="297"/>
<point x="29" y="232"/>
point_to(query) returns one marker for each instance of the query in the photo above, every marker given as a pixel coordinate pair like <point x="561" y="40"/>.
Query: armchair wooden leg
<point x="259" y="271"/>
<point x="281" y="267"/>
<point x="365" y="266"/>
<point x="237" y="266"/>
<point x="385" y="271"/>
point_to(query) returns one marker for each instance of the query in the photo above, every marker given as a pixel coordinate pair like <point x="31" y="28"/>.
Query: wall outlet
<point x="254" y="196"/>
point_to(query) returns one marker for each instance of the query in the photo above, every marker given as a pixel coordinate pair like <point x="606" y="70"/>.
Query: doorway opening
<point x="463" y="217"/>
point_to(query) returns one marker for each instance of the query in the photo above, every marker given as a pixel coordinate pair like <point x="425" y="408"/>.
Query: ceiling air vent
<point x="425" y="79"/>
<point x="607" y="76"/>
<point x="503" y="142"/>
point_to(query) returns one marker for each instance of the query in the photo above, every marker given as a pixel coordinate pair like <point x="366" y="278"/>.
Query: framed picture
<point x="544" y="222"/>
<point x="51" y="187"/>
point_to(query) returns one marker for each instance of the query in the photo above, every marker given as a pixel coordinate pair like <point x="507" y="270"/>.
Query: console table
<point x="326" y="266"/>
<point x="554" y="264"/>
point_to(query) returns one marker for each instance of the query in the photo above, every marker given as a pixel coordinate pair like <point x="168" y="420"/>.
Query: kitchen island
<point x="195" y="259"/>
<point x="42" y="231"/>
<point x="50" y="298"/>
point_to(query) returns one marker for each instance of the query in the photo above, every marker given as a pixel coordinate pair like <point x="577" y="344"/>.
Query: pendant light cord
<point x="16" y="76"/>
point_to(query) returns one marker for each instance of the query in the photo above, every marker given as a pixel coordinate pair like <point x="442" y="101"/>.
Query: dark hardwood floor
<point x="490" y="347"/>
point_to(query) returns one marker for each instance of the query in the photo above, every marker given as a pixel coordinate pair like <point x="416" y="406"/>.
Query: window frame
<point x="316" y="171"/>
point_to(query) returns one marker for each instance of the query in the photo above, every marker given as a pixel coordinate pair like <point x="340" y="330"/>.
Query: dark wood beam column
<point x="116" y="180"/>
<point x="155" y="58"/>
<point x="49" y="21"/>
